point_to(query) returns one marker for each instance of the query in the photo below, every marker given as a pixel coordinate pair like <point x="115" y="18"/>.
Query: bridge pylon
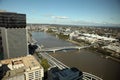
<point x="53" y="51"/>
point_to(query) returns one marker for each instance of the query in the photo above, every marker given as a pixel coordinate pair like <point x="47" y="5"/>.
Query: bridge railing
<point x="63" y="47"/>
<point x="54" y="61"/>
<point x="88" y="76"/>
<point x="60" y="48"/>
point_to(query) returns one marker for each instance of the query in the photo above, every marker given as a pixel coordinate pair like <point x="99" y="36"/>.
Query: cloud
<point x="59" y="17"/>
<point x="48" y="15"/>
<point x="83" y="22"/>
<point x="56" y="17"/>
<point x="94" y="23"/>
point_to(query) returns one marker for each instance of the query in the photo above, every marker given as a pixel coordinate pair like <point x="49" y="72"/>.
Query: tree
<point x="45" y="64"/>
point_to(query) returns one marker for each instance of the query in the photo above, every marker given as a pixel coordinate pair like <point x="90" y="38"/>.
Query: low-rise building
<point x="115" y="50"/>
<point x="65" y="74"/>
<point x="22" y="68"/>
<point x="73" y="35"/>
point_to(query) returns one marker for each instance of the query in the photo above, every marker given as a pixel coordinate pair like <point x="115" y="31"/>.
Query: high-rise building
<point x="13" y="35"/>
<point x="22" y="68"/>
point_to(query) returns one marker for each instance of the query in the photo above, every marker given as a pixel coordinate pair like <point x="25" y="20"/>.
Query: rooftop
<point x="19" y="65"/>
<point x="27" y="62"/>
<point x="65" y="74"/>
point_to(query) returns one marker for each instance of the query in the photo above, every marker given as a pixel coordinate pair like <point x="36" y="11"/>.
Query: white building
<point x="94" y="38"/>
<point x="22" y="68"/>
<point x="72" y="35"/>
<point x="99" y="37"/>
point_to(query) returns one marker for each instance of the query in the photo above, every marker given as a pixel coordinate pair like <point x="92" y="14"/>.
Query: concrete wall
<point x="14" y="42"/>
<point x="31" y="75"/>
<point x="4" y="43"/>
<point x="17" y="77"/>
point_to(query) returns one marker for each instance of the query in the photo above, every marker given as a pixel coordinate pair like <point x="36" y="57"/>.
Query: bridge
<point x="54" y="62"/>
<point x="63" y="48"/>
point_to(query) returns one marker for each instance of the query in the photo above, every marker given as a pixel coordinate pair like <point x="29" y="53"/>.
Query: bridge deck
<point x="64" y="48"/>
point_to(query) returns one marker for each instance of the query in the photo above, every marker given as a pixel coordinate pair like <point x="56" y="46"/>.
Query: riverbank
<point x="112" y="58"/>
<point x="107" y="57"/>
<point x="103" y="52"/>
<point x="86" y="60"/>
<point x="77" y="43"/>
<point x="89" y="61"/>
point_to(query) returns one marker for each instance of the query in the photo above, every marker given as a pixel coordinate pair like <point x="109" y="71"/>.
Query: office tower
<point x="13" y="35"/>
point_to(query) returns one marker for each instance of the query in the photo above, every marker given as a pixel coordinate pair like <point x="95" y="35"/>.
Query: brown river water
<point x="85" y="60"/>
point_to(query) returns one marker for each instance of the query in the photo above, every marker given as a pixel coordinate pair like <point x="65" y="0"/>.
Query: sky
<point x="73" y="12"/>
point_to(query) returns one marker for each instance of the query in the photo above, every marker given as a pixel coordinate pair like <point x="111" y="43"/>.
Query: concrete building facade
<point x="22" y="68"/>
<point x="14" y="41"/>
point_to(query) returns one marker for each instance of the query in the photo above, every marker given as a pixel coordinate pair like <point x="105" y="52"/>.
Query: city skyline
<point x="50" y="52"/>
<point x="77" y="12"/>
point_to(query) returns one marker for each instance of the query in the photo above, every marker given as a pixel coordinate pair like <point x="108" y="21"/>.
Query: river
<point x="84" y="60"/>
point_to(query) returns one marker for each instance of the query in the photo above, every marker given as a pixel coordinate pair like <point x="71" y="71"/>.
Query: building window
<point x="31" y="76"/>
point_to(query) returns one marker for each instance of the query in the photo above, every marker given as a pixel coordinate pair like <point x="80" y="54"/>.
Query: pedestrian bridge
<point x="54" y="49"/>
